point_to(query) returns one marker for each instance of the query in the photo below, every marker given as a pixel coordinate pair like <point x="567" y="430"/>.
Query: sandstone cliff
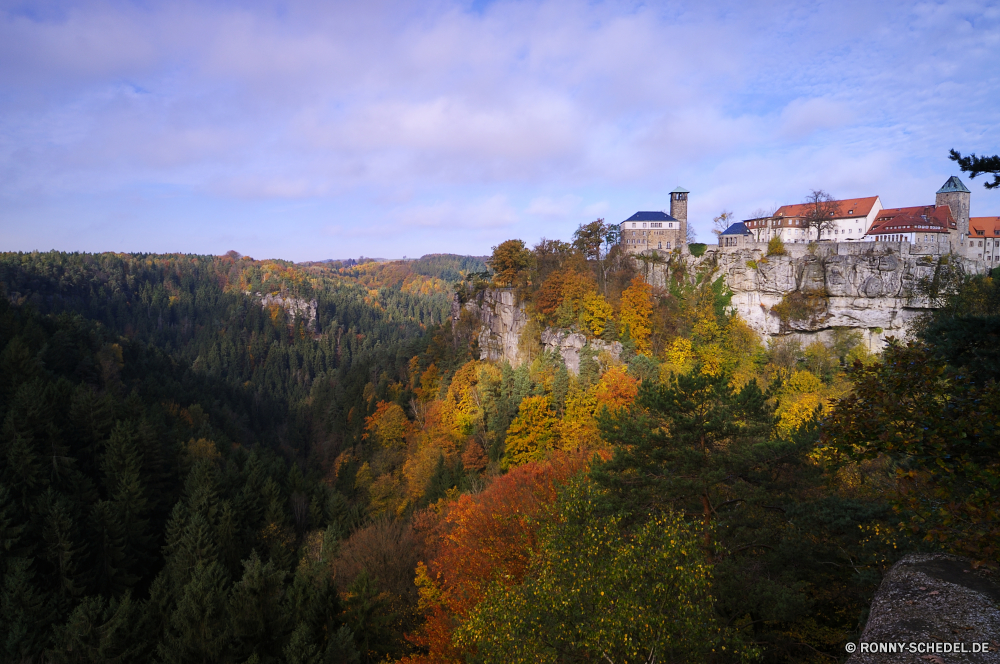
<point x="503" y="322"/>
<point x="876" y="288"/>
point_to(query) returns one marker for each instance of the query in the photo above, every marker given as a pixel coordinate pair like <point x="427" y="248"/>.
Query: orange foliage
<point x="565" y="284"/>
<point x="616" y="389"/>
<point x="388" y="425"/>
<point x="479" y="539"/>
<point x="636" y="311"/>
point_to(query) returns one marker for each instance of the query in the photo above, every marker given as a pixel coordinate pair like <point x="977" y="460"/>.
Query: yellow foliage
<point x="596" y="312"/>
<point x="532" y="433"/>
<point x="802" y="381"/>
<point x="636" y="311"/>
<point x="201" y="450"/>
<point x="797" y="411"/>
<point x="463" y="406"/>
<point x="678" y="358"/>
<point x="710" y="357"/>
<point x="578" y="427"/>
<point x="388" y="425"/>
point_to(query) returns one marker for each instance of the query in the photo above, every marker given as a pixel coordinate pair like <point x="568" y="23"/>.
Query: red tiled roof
<point x="849" y="207"/>
<point x="989" y="226"/>
<point x="922" y="218"/>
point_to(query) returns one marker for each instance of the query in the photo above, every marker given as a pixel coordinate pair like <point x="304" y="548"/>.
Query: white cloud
<point x="431" y="116"/>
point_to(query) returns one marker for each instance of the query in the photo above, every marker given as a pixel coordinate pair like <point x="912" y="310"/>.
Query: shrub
<point x="697" y="249"/>
<point x="800" y="305"/>
<point x="775" y="247"/>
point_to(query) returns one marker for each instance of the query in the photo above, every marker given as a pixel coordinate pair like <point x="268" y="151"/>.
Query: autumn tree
<point x="476" y="541"/>
<point x="594" y="590"/>
<point x="388" y="425"/>
<point x="722" y="222"/>
<point x="510" y="263"/>
<point x="635" y="314"/>
<point x="532" y="434"/>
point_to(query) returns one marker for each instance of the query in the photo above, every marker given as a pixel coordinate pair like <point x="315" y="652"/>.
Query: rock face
<point x="293" y="306"/>
<point x="930" y="599"/>
<point x="569" y="344"/>
<point x="877" y="288"/>
<point x="502" y="319"/>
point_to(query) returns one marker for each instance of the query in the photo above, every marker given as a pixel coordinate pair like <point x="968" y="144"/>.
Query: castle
<point x="656" y="232"/>
<point x="942" y="228"/>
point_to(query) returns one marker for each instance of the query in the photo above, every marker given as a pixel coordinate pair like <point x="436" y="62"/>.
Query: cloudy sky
<point x="312" y="130"/>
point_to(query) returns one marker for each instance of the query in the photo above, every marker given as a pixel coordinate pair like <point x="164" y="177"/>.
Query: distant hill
<point x="447" y="267"/>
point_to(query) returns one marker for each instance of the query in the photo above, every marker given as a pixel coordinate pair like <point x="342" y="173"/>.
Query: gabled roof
<point x="989" y="225"/>
<point x="922" y="218"/>
<point x="953" y="184"/>
<point x="680" y="190"/>
<point x="739" y="228"/>
<point x="650" y="216"/>
<point x="847" y="208"/>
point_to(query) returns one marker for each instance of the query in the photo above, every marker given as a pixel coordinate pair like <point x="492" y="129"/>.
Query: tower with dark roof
<point x="679" y="205"/>
<point x="957" y="196"/>
<point x="657" y="232"/>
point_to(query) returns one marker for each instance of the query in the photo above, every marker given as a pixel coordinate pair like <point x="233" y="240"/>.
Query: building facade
<point x="657" y="231"/>
<point x="850" y="219"/>
<point x="737" y="236"/>
<point x="983" y="240"/>
<point x="931" y="226"/>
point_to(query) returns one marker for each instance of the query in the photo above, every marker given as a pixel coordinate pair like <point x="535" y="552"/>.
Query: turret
<point x="679" y="211"/>
<point x="956" y="196"/>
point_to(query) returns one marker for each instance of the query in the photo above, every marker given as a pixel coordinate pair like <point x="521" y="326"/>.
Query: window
<point x="644" y="224"/>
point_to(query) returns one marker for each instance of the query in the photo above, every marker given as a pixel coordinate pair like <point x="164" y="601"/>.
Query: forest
<point x="222" y="459"/>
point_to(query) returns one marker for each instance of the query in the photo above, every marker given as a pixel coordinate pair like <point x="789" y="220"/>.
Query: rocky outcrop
<point x="932" y="599"/>
<point x="570" y="344"/>
<point x="502" y="321"/>
<point x="876" y="288"/>
<point x="294" y="307"/>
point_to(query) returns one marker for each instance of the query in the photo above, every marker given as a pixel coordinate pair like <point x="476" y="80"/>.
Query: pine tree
<point x="198" y="626"/>
<point x="62" y="549"/>
<point x="25" y="612"/>
<point x="107" y="538"/>
<point x="257" y="618"/>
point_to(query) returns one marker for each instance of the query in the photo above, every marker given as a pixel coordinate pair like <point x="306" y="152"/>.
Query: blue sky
<point x="314" y="130"/>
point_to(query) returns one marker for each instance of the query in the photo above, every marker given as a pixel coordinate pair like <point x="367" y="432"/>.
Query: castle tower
<point x="956" y="195"/>
<point x="679" y="208"/>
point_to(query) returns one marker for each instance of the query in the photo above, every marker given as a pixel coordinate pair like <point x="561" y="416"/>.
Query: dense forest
<point x="215" y="459"/>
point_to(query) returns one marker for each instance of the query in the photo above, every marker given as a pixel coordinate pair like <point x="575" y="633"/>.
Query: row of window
<point x="655" y="224"/>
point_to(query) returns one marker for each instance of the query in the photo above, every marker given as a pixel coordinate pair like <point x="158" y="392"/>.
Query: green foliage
<point x="801" y="306"/>
<point x="939" y="430"/>
<point x="594" y="590"/>
<point x="695" y="445"/>
<point x="697" y="249"/>
<point x="975" y="166"/>
<point x="775" y="247"/>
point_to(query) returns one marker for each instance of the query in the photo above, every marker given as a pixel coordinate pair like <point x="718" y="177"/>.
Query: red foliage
<point x="479" y="539"/>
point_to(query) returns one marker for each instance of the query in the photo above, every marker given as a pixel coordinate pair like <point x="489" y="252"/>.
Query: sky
<point x="317" y="130"/>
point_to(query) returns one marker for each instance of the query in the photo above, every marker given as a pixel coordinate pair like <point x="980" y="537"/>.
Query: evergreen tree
<point x="198" y="628"/>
